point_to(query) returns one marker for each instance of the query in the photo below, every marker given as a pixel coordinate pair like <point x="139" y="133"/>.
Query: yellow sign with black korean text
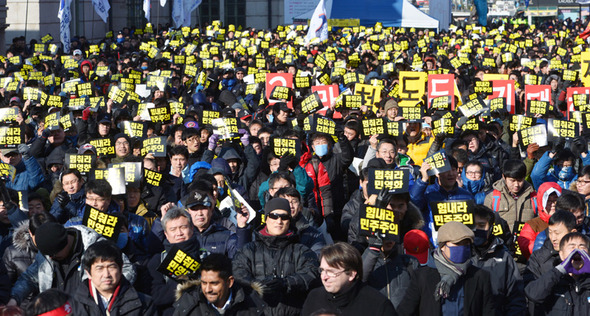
<point x="375" y="220"/>
<point x="160" y="115"/>
<point x="412" y="87"/>
<point x="519" y="122"/>
<point x="82" y="163"/>
<point x="104" y="224"/>
<point x="104" y="147"/>
<point x="282" y="146"/>
<point x="209" y="116"/>
<point x="452" y="211"/>
<point x="178" y="264"/>
<point x="11" y="137"/>
<point x="155" y="146"/>
<point x="375" y="126"/>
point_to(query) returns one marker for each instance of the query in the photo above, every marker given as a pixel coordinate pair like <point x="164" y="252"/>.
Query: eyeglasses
<point x="473" y="173"/>
<point x="122" y="144"/>
<point x="331" y="274"/>
<point x="276" y="216"/>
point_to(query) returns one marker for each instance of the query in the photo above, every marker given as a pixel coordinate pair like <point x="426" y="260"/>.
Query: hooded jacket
<point x="248" y="167"/>
<point x="63" y="214"/>
<point x="21" y="254"/>
<point x="281" y="257"/>
<point x="41" y="274"/>
<point x="532" y="228"/>
<point x="542" y="172"/>
<point x="418" y="150"/>
<point x="246" y="301"/>
<point x="28" y="175"/>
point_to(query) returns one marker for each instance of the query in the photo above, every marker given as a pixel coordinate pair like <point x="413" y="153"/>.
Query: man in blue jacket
<point x="28" y="172"/>
<point x="444" y="189"/>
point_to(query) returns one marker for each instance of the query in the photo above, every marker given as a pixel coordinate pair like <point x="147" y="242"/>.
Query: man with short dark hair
<point x="107" y="291"/>
<point x="216" y="292"/>
<point x="513" y="198"/>
<point x="341" y="271"/>
<point x="565" y="288"/>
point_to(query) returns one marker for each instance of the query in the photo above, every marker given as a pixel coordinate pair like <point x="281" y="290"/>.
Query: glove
<point x="558" y="146"/>
<point x="245" y="139"/>
<point x="339" y="131"/>
<point x="440" y="138"/>
<point x="566" y="266"/>
<point x="225" y="212"/>
<point x="24" y="150"/>
<point x="462" y="121"/>
<point x="213" y="142"/>
<point x="86" y="114"/>
<point x="531" y="150"/>
<point x="63" y="199"/>
<point x="287" y="161"/>
<point x="383" y="198"/>
<point x="274" y="286"/>
<point x="375" y="242"/>
<point x="580" y="145"/>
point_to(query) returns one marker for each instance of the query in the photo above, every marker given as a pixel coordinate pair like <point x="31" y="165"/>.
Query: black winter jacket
<point x="278" y="257"/>
<point x="556" y="293"/>
<point x="128" y="302"/>
<point x="361" y="299"/>
<point x="507" y="284"/>
<point x="389" y="274"/>
<point x="20" y="255"/>
<point x="191" y="301"/>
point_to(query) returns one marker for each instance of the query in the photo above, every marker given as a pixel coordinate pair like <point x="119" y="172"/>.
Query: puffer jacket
<point x="21" y="253"/>
<point x="389" y="274"/>
<point x="418" y="150"/>
<point x="330" y="173"/>
<point x="127" y="302"/>
<point x="532" y="228"/>
<point x="41" y="276"/>
<point x="28" y="175"/>
<point x="63" y="214"/>
<point x="506" y="281"/>
<point x="281" y="257"/>
<point x="308" y="234"/>
<point x="512" y="211"/>
<point x="559" y="294"/>
<point x="246" y="301"/>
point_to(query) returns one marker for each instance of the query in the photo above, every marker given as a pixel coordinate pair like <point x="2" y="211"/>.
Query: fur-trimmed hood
<point x="185" y="287"/>
<point x="412" y="219"/>
<point x="21" y="239"/>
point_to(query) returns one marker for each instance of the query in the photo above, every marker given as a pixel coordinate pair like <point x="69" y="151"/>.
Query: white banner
<point x="65" y="16"/>
<point x="181" y="11"/>
<point x="318" y="26"/>
<point x="146" y="9"/>
<point x="102" y="8"/>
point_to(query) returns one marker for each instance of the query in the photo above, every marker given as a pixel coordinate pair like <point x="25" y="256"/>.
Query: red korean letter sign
<point x="441" y="85"/>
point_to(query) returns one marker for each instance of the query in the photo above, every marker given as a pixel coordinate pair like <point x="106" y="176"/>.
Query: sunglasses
<point x="282" y="216"/>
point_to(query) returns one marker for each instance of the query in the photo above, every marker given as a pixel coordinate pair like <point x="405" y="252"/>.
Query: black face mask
<point x="481" y="236"/>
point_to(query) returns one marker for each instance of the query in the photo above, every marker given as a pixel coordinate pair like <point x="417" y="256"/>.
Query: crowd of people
<point x="230" y="171"/>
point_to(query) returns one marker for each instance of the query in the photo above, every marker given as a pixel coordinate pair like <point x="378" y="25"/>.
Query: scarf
<point x="95" y="295"/>
<point x="449" y="274"/>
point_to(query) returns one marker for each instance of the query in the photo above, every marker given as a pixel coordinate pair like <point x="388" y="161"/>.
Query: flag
<point x="181" y="11"/>
<point x="65" y="16"/>
<point x="102" y="8"/>
<point x="146" y="9"/>
<point x="318" y="26"/>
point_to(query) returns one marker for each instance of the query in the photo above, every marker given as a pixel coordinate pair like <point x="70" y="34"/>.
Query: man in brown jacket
<point x="513" y="198"/>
